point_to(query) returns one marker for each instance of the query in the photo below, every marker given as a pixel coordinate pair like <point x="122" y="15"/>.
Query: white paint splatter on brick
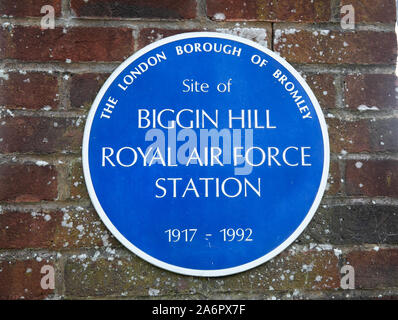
<point x="219" y="16"/>
<point x="362" y="107"/>
<point x="3" y="75"/>
<point x="41" y="163"/>
<point x="258" y="35"/>
<point x="153" y="292"/>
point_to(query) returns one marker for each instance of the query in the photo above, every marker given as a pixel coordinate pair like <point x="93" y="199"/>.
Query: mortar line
<point x="122" y="253"/>
<point x="107" y="67"/>
<point x="202" y="10"/>
<point x="339" y="86"/>
<point x="200" y="22"/>
<point x="85" y="204"/>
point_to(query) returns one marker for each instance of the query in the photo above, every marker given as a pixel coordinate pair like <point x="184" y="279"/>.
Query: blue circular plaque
<point x="205" y="154"/>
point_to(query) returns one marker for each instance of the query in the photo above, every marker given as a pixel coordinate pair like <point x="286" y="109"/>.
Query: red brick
<point x="343" y="224"/>
<point x="19" y="230"/>
<point x="374" y="269"/>
<point x="28" y="8"/>
<point x="65" y="229"/>
<point x="27" y="182"/>
<point x="260" y="35"/>
<point x="372" y="178"/>
<point x="333" y="47"/>
<point x="384" y="134"/>
<point x="323" y="87"/>
<point x="348" y="136"/>
<point x="81" y="228"/>
<point x="371" y="90"/>
<point x="78" y="188"/>
<point x="32" y="90"/>
<point x="290" y="270"/>
<point x="363" y="135"/>
<point x="21" y="280"/>
<point x="287" y="10"/>
<point x="376" y="11"/>
<point x="150" y="35"/>
<point x="40" y="134"/>
<point x="59" y="44"/>
<point x="161" y="9"/>
<point x="333" y="185"/>
<point x="84" y="89"/>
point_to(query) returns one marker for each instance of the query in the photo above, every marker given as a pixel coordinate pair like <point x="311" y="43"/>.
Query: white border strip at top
<point x="170" y="267"/>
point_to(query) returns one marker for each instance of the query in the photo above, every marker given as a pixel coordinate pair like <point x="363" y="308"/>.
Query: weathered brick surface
<point x="63" y="229"/>
<point x="27" y="182"/>
<point x="333" y="186"/>
<point x="347" y="136"/>
<point x="332" y="47"/>
<point x="78" y="188"/>
<point x="260" y="35"/>
<point x="33" y="229"/>
<point x="260" y="10"/>
<point x="315" y="270"/>
<point x="362" y="135"/>
<point x="152" y="9"/>
<point x="323" y="86"/>
<point x="374" y="269"/>
<point x="65" y="44"/>
<point x="379" y="11"/>
<point x="150" y="35"/>
<point x="28" y="8"/>
<point x="81" y="228"/>
<point x="84" y="89"/>
<point x="372" y="178"/>
<point x="311" y="270"/>
<point x="21" y="279"/>
<point x="377" y="91"/>
<point x="40" y="134"/>
<point x="42" y="89"/>
<point x="353" y="224"/>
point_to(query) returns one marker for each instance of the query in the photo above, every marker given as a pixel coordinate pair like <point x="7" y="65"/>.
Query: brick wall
<point x="48" y="80"/>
